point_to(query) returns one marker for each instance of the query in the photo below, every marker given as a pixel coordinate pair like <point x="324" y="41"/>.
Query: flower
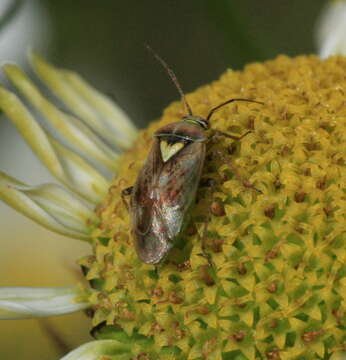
<point x="81" y="149"/>
<point x="262" y="266"/>
<point x="260" y="271"/>
<point x="331" y="29"/>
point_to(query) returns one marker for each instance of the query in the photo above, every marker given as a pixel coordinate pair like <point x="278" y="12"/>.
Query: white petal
<point x="49" y="205"/>
<point x="71" y="129"/>
<point x="331" y="29"/>
<point x="28" y="302"/>
<point x="102" y="115"/>
<point x="64" y="164"/>
<point x="110" y="113"/>
<point x="86" y="181"/>
<point x="94" y="350"/>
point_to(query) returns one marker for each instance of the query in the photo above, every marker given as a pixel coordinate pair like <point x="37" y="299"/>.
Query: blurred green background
<point x="104" y="41"/>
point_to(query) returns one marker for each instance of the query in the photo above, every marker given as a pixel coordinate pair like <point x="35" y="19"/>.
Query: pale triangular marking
<point x="168" y="150"/>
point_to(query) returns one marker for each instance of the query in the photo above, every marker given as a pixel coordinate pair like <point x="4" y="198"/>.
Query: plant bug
<point x="167" y="184"/>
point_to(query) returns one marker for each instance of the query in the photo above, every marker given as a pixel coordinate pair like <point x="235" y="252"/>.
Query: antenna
<point x="173" y="78"/>
<point x="211" y="112"/>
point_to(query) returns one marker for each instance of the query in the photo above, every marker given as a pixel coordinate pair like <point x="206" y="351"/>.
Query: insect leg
<point x="207" y="182"/>
<point x="124" y="193"/>
<point x="221" y="133"/>
<point x="246" y="183"/>
<point x="212" y="185"/>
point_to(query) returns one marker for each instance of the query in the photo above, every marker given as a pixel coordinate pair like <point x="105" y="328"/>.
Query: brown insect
<point x="166" y="186"/>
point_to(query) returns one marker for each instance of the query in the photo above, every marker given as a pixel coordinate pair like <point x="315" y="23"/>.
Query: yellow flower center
<point x="270" y="213"/>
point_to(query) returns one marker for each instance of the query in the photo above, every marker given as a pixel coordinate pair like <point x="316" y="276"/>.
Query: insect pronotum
<point x="166" y="185"/>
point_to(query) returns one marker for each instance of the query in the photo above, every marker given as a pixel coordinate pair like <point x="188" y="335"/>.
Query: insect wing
<point x="162" y="195"/>
<point x="143" y="198"/>
<point x="151" y="245"/>
<point x="177" y="186"/>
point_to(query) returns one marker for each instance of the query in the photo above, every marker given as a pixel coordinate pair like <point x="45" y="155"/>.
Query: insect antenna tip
<point x="173" y="78"/>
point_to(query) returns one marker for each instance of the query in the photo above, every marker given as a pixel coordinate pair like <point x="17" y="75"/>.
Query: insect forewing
<point x="162" y="196"/>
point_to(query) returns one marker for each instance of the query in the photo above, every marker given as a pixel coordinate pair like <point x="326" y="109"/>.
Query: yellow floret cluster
<point x="260" y="272"/>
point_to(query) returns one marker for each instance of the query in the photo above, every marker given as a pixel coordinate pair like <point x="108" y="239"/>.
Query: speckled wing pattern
<point x="162" y="195"/>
